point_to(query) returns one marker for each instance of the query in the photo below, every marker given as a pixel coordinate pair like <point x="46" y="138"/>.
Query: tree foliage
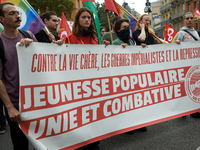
<point x="102" y="14"/>
<point x="57" y="6"/>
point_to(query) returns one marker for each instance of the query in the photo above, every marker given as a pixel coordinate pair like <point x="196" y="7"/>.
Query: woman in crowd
<point x="122" y="29"/>
<point x="123" y="33"/>
<point x="83" y="32"/>
<point x="143" y="34"/>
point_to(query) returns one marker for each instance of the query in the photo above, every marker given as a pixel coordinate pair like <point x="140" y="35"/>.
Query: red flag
<point x="110" y="5"/>
<point x="169" y="33"/>
<point x="64" y="27"/>
<point x="83" y="1"/>
<point x="197" y="14"/>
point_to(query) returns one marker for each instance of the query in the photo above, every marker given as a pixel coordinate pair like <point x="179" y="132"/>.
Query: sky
<point x="138" y="4"/>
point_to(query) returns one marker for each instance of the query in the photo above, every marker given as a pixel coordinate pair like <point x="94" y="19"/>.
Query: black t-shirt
<point x="149" y="39"/>
<point x="41" y="36"/>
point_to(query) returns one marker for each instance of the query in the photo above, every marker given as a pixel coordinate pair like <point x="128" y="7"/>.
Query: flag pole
<point x="109" y="27"/>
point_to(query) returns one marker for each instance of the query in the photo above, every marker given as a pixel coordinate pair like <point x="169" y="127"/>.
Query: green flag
<point x="1" y="28"/>
<point x="90" y="5"/>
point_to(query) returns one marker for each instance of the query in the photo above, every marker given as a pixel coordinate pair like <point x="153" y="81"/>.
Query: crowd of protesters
<point x="83" y="32"/>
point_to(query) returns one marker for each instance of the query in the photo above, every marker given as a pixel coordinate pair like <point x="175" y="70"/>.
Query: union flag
<point x="64" y="27"/>
<point x="169" y="33"/>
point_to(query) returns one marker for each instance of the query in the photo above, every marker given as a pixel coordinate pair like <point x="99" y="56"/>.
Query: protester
<point x="143" y="36"/>
<point x="188" y="34"/>
<point x="83" y="32"/>
<point x="50" y="20"/>
<point x="123" y="33"/>
<point x="102" y="31"/>
<point x="9" y="73"/>
<point x="143" y="33"/>
<point x="106" y="36"/>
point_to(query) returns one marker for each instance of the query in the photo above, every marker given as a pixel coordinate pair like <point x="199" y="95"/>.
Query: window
<point x="78" y="4"/>
<point x="195" y="4"/>
<point x="178" y="8"/>
<point x="180" y="24"/>
<point x="183" y="4"/>
<point x="154" y="16"/>
<point x="189" y="7"/>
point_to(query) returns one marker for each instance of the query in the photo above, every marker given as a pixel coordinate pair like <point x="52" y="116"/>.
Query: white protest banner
<point x="72" y="95"/>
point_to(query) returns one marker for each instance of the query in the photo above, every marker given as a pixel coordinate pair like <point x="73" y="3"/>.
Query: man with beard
<point x="9" y="73"/>
<point x="45" y="35"/>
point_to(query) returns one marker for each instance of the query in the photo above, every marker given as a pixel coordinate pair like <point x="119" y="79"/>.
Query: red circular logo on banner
<point x="192" y="83"/>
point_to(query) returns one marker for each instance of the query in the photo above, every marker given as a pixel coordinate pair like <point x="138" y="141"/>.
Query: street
<point x="177" y="134"/>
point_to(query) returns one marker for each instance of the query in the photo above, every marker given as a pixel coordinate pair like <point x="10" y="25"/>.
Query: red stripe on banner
<point x="80" y="116"/>
<point x="128" y="129"/>
<point x="35" y="97"/>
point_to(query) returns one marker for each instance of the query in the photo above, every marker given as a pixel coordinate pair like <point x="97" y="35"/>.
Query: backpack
<point x="2" y="57"/>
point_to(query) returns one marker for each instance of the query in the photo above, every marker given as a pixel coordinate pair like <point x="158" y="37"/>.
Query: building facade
<point x="178" y="11"/>
<point x="172" y="12"/>
<point x="77" y="5"/>
<point x="135" y="13"/>
<point x="155" y="17"/>
<point x="166" y="12"/>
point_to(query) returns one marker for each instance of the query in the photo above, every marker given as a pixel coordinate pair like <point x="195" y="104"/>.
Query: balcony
<point x="178" y="15"/>
<point x="167" y="21"/>
<point x="165" y="7"/>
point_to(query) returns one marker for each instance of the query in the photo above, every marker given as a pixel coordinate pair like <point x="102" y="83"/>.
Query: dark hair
<point x="1" y="8"/>
<point x="47" y="15"/>
<point x="77" y="30"/>
<point x="115" y="19"/>
<point x="102" y="28"/>
<point x="118" y="24"/>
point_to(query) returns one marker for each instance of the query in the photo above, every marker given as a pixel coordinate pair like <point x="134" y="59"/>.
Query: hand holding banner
<point x="84" y="93"/>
